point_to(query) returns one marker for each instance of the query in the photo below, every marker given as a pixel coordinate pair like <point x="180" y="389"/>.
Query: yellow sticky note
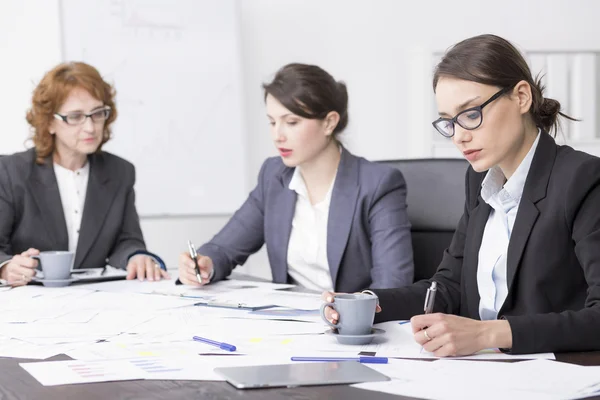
<point x="287" y="341"/>
<point x="255" y="340"/>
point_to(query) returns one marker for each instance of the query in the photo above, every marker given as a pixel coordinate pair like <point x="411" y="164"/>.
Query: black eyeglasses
<point x="469" y="119"/>
<point x="78" y="118"/>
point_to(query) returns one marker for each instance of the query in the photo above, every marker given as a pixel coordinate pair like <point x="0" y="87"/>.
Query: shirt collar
<point x="494" y="179"/>
<point x="83" y="171"/>
<point x="298" y="185"/>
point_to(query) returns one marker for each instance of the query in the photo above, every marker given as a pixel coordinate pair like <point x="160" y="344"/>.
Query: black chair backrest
<point x="436" y="200"/>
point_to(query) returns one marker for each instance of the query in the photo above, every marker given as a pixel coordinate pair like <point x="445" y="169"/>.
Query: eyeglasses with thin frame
<point x="78" y="117"/>
<point x="469" y="119"/>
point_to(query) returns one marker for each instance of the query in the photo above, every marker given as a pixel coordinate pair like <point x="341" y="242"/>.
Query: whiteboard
<point x="176" y="67"/>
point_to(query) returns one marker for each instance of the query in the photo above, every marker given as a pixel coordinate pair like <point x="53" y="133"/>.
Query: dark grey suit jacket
<point x="553" y="262"/>
<point x="31" y="213"/>
<point x="368" y="232"/>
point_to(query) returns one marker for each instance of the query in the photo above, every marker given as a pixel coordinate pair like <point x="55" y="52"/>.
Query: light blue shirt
<point x="504" y="198"/>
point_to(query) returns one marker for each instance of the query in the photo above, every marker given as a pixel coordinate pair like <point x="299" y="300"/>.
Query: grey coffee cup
<point x="357" y="312"/>
<point x="56" y="265"/>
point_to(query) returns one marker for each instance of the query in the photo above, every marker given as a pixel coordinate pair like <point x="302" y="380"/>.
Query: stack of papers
<point x="124" y="330"/>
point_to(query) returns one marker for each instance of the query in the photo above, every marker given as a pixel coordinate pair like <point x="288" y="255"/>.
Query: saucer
<point x="355" y="339"/>
<point x="54" y="282"/>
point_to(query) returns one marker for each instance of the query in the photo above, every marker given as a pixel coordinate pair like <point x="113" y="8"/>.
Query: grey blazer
<point x="368" y="232"/>
<point x="31" y="213"/>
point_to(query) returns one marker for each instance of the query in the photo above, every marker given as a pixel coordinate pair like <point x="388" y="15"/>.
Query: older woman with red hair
<point x="65" y="193"/>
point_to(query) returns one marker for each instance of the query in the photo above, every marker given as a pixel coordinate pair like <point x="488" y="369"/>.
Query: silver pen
<point x="430" y="298"/>
<point x="194" y="256"/>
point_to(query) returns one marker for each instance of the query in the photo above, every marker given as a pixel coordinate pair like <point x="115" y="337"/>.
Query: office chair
<point x="435" y="199"/>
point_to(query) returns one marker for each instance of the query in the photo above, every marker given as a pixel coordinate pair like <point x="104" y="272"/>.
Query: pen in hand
<point x="194" y="257"/>
<point x="430" y="298"/>
<point x="428" y="306"/>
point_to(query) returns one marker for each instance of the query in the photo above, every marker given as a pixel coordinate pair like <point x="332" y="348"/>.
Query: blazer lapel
<point x="534" y="190"/>
<point x="527" y="215"/>
<point x="284" y="206"/>
<point x="100" y="193"/>
<point x="477" y="221"/>
<point x="44" y="188"/>
<point x="341" y="211"/>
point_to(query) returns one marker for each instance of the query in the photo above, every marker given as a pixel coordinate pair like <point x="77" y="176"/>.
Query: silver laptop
<point x="300" y="374"/>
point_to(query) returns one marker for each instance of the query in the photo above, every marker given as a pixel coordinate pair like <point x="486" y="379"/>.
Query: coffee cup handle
<point x="39" y="261"/>
<point x="323" y="306"/>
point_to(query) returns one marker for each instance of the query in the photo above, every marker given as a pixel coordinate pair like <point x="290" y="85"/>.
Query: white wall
<point x="378" y="47"/>
<point x="381" y="49"/>
<point x="29" y="46"/>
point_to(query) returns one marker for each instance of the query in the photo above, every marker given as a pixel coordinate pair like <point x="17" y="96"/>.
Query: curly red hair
<point x="53" y="90"/>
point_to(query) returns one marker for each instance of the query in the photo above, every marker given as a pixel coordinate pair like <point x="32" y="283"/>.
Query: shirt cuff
<point x="372" y="294"/>
<point x="2" y="281"/>
<point x="156" y="258"/>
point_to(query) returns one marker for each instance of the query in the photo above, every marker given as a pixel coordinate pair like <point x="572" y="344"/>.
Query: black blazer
<point x="31" y="213"/>
<point x="553" y="265"/>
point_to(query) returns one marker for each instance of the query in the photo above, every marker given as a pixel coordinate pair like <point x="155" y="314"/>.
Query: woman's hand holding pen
<point x="331" y="315"/>
<point x="447" y="335"/>
<point x="187" y="269"/>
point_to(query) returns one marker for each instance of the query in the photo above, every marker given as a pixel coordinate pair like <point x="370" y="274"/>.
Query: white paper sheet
<point x="119" y="349"/>
<point x="169" y="288"/>
<point x="22" y="349"/>
<point x="201" y="319"/>
<point x="282" y="314"/>
<point x="52" y="373"/>
<point x="261" y="296"/>
<point x="457" y="379"/>
<point x="131" y="286"/>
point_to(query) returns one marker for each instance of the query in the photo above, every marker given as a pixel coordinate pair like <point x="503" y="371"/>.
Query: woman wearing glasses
<point x="522" y="272"/>
<point x="65" y="193"/>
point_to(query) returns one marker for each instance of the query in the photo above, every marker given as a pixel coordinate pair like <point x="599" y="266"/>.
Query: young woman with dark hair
<point x="330" y="220"/>
<point x="522" y="272"/>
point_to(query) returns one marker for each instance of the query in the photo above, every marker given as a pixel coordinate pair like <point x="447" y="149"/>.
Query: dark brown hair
<point x="310" y="92"/>
<point x="492" y="60"/>
<point x="51" y="93"/>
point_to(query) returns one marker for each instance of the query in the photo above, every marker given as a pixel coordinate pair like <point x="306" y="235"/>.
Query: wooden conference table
<point x="16" y="383"/>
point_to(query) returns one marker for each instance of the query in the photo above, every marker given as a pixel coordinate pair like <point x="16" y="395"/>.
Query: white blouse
<point x="307" y="248"/>
<point x="72" y="186"/>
